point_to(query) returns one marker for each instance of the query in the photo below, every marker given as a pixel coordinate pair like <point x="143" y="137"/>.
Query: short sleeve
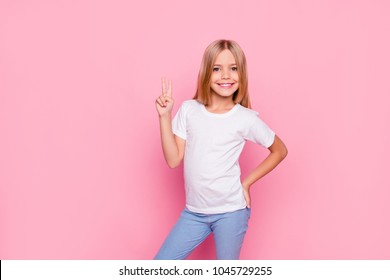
<point x="179" y="122"/>
<point x="260" y="133"/>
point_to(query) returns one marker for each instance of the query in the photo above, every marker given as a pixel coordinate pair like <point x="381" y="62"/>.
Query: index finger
<point x="163" y="86"/>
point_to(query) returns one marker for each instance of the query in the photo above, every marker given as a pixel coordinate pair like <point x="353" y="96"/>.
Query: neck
<point x="220" y="104"/>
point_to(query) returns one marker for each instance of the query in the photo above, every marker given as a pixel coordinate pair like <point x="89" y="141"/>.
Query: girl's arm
<point x="278" y="153"/>
<point x="173" y="146"/>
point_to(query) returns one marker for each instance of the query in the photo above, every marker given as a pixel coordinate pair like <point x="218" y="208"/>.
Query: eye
<point x="234" y="68"/>
<point x="215" y="69"/>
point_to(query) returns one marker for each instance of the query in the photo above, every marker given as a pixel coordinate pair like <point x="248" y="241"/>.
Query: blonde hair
<point x="203" y="92"/>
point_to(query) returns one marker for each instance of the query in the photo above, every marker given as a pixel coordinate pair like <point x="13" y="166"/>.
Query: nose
<point x="225" y="74"/>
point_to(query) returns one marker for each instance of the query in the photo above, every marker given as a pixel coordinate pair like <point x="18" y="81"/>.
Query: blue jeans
<point x="192" y="229"/>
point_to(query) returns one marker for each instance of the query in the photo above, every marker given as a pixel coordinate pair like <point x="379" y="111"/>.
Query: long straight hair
<point x="203" y="91"/>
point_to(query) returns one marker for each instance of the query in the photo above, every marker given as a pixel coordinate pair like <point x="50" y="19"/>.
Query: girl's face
<point x="224" y="78"/>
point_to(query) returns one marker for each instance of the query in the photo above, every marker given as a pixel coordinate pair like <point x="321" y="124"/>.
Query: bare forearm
<point x="272" y="160"/>
<point x="278" y="153"/>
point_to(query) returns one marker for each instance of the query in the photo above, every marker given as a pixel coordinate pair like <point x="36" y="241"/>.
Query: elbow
<point x="284" y="153"/>
<point x="279" y="148"/>
<point x="174" y="161"/>
<point x="173" y="164"/>
<point x="280" y="153"/>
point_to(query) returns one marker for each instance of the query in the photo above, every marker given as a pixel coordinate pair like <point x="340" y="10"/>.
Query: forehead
<point x="225" y="57"/>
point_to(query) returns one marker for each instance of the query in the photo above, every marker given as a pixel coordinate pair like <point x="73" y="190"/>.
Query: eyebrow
<point x="229" y="64"/>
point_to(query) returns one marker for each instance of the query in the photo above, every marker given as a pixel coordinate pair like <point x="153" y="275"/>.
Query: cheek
<point x="237" y="86"/>
<point x="237" y="78"/>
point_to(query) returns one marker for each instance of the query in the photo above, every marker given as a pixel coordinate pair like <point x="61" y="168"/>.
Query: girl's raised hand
<point x="164" y="103"/>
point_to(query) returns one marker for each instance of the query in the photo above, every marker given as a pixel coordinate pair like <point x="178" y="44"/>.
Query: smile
<point x="226" y="85"/>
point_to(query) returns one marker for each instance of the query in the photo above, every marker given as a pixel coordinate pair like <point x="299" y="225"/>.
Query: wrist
<point x="245" y="185"/>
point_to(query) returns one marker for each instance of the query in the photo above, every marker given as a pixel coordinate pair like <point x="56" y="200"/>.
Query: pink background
<point x="82" y="175"/>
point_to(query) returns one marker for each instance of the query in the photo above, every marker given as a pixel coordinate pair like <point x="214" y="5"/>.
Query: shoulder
<point x="247" y="113"/>
<point x="190" y="105"/>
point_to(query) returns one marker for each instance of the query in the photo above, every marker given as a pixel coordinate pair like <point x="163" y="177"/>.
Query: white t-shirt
<point x="214" y="143"/>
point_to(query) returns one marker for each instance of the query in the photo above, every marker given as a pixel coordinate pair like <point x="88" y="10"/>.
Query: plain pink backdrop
<point x="82" y="175"/>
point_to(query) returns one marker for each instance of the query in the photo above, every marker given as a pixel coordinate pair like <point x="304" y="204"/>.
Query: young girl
<point x="209" y="133"/>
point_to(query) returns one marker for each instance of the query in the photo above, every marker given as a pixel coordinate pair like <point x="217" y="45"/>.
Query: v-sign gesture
<point x="164" y="103"/>
<point x="173" y="146"/>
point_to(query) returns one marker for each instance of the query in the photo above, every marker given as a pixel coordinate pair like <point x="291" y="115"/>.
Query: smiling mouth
<point x="225" y="85"/>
